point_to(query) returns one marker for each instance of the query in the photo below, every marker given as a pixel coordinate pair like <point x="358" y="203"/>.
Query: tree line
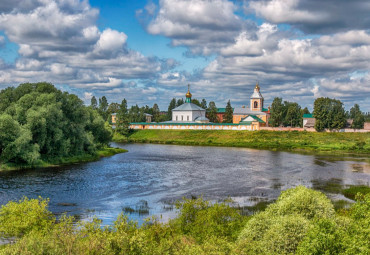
<point x="329" y="113"/>
<point x="41" y="123"/>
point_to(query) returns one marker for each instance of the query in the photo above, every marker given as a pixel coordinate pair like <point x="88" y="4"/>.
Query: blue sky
<point x="147" y="51"/>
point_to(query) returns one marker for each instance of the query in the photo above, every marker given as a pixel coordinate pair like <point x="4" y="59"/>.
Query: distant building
<point x="256" y="114"/>
<point x="148" y="117"/>
<point x="367" y="125"/>
<point x="308" y="120"/>
<point x="189" y="112"/>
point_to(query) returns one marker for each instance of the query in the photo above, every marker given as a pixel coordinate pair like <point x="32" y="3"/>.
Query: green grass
<point x="104" y="152"/>
<point x="354" y="143"/>
<point x="352" y="191"/>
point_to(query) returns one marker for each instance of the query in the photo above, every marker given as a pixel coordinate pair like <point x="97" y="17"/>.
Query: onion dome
<point x="188" y="95"/>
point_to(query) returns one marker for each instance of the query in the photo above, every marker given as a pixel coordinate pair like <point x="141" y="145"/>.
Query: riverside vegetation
<point x="43" y="126"/>
<point x="357" y="143"/>
<point x="301" y="221"/>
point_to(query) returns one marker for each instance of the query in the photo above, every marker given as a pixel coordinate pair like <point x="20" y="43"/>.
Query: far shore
<point x="306" y="142"/>
<point x="105" y="152"/>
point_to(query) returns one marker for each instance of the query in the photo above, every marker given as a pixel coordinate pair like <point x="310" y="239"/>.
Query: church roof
<point x="250" y="117"/>
<point x="188" y="107"/>
<point x="246" y="111"/>
<point x="256" y="94"/>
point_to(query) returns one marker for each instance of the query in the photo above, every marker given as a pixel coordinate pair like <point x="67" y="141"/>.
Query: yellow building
<point x="255" y="114"/>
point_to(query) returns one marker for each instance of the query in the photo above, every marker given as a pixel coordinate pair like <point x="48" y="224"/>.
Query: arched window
<point x="182" y="117"/>
<point x="255" y="104"/>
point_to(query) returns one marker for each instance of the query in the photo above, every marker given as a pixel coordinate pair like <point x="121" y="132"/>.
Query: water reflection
<point x="150" y="178"/>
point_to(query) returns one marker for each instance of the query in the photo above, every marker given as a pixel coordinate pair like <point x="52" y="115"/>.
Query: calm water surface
<point x="151" y="177"/>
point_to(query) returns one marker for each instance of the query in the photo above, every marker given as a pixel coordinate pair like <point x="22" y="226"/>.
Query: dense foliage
<point x="357" y="116"/>
<point x="211" y="113"/>
<point x="302" y="221"/>
<point x="329" y="114"/>
<point x="41" y="123"/>
<point x="286" y="114"/>
<point x="228" y="117"/>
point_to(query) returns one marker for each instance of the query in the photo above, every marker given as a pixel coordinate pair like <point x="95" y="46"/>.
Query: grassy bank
<point x="301" y="221"/>
<point x="357" y="143"/>
<point x="104" y="152"/>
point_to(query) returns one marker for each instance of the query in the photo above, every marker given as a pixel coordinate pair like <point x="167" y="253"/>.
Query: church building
<point x="189" y="112"/>
<point x="255" y="114"/>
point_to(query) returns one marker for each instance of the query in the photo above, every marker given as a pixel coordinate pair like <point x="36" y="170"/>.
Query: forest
<point x="40" y="124"/>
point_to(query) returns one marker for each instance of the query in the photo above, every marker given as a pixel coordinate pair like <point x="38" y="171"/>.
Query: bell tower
<point x="256" y="99"/>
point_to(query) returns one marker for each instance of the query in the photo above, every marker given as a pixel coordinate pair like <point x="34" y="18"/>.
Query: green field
<point x="357" y="143"/>
<point x="104" y="152"/>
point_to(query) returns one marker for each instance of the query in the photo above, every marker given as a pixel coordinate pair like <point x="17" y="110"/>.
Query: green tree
<point x="329" y="114"/>
<point x="171" y="106"/>
<point x="203" y="104"/>
<point x="16" y="142"/>
<point x="305" y="111"/>
<point x="179" y="102"/>
<point x="155" y="113"/>
<point x="228" y="117"/>
<point x="94" y="103"/>
<point x="293" y="115"/>
<point x="357" y="116"/>
<point x="277" y="112"/>
<point x="196" y="102"/>
<point x="50" y="125"/>
<point x="123" y="123"/>
<point x="212" y="112"/>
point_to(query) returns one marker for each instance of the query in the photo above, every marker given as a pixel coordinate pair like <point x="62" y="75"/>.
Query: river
<point x="148" y="179"/>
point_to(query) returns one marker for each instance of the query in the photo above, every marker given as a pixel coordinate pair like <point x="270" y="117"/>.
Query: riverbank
<point x="300" y="221"/>
<point x="105" y="152"/>
<point x="354" y="143"/>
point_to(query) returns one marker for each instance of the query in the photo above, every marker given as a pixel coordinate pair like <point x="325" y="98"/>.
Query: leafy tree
<point x="171" y="106"/>
<point x="179" y="102"/>
<point x="50" y="125"/>
<point x="103" y="107"/>
<point x="155" y="113"/>
<point x="293" y="116"/>
<point x="228" y="117"/>
<point x="212" y="112"/>
<point x="329" y="113"/>
<point x="94" y="103"/>
<point x="123" y="123"/>
<point x="113" y="108"/>
<point x="357" y="116"/>
<point x="203" y="104"/>
<point x="277" y="112"/>
<point x="196" y="102"/>
<point x="305" y="111"/>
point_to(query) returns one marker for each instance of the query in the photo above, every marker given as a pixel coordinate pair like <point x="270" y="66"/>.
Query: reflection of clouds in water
<point x="162" y="174"/>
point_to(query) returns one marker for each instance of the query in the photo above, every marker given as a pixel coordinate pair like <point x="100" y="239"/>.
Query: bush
<point x="20" y="218"/>
<point x="302" y="201"/>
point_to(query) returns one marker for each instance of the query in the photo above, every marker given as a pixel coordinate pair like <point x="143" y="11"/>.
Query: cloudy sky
<point x="147" y="51"/>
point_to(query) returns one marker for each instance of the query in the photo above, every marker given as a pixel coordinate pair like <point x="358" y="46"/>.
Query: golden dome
<point x="257" y="87"/>
<point x="188" y="95"/>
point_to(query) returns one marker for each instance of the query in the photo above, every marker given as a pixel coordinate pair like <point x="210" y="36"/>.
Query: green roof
<point x="222" y="110"/>
<point x="254" y="117"/>
<point x="308" y="116"/>
<point x="265" y="109"/>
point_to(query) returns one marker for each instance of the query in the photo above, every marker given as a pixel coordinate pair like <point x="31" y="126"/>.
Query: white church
<point x="189" y="112"/>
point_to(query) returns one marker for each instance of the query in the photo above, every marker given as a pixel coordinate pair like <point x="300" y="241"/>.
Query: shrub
<point x="302" y="201"/>
<point x="20" y="218"/>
